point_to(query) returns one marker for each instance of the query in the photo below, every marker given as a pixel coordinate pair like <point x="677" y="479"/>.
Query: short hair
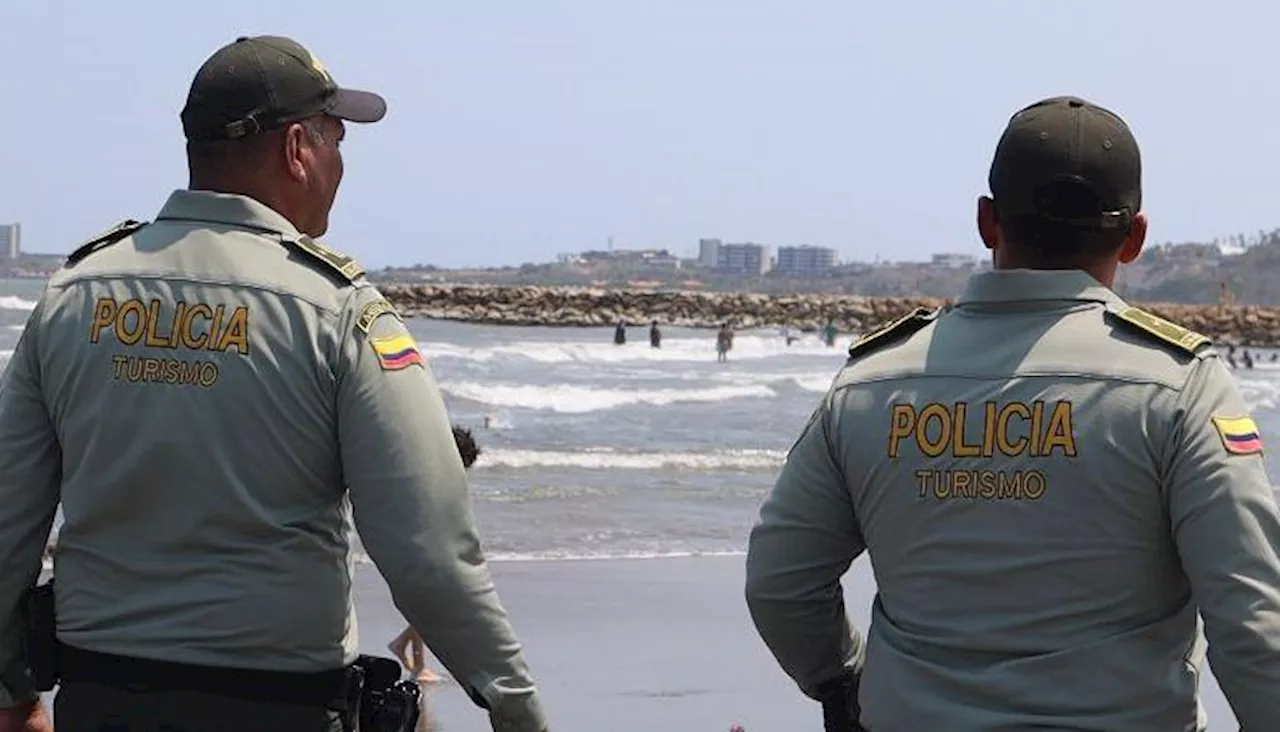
<point x="218" y="155"/>
<point x="467" y="447"/>
<point x="204" y="156"/>
<point x="1052" y="237"/>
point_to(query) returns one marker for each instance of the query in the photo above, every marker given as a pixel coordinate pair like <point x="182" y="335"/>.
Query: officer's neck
<point x="1101" y="269"/>
<point x="270" y="196"/>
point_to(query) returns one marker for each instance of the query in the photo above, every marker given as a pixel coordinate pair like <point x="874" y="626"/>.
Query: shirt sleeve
<point x="1224" y="521"/>
<point x="30" y="486"/>
<point x="412" y="509"/>
<point x="805" y="540"/>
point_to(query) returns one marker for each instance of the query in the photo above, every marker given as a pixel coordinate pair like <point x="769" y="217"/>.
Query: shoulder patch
<point x="904" y="326"/>
<point x="397" y="352"/>
<point x="343" y="265"/>
<point x="104" y="240"/>
<point x="1240" y="435"/>
<point x="373" y="311"/>
<point x="1173" y="334"/>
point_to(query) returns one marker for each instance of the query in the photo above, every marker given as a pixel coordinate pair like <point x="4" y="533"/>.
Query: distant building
<point x="805" y="260"/>
<point x="10" y="241"/>
<point x="660" y="258"/>
<point x="709" y="252"/>
<point x="954" y="260"/>
<point x="748" y="258"/>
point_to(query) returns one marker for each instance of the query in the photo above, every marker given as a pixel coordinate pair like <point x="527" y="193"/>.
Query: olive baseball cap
<point x="1068" y="160"/>
<point x="263" y="83"/>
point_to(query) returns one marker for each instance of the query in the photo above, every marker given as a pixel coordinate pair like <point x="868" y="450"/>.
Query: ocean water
<point x="594" y="450"/>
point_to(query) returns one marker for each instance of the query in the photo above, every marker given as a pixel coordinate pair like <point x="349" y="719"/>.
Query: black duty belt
<point x="328" y="689"/>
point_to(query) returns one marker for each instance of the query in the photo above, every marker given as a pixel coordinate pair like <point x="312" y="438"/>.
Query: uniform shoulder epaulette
<point x="900" y="328"/>
<point x="1162" y="330"/>
<point x="104" y="240"/>
<point x="373" y="310"/>
<point x="333" y="260"/>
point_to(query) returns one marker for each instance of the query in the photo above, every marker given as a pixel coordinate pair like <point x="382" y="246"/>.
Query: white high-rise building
<point x="805" y="260"/>
<point x="709" y="252"/>
<point x="749" y="258"/>
<point x="10" y="241"/>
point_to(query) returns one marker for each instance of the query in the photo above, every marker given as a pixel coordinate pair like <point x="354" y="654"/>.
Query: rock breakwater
<point x="1247" y="325"/>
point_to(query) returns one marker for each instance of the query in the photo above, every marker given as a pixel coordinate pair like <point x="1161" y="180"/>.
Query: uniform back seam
<point x="1004" y="377"/>
<point x="332" y="311"/>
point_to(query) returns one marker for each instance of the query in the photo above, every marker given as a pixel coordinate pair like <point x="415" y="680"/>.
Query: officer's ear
<point x="297" y="151"/>
<point x="989" y="223"/>
<point x="1131" y="247"/>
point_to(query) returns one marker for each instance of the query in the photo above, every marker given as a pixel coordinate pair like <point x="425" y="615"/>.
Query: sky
<point x="521" y="129"/>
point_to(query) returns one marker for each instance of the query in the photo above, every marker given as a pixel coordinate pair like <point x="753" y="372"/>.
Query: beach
<point x="647" y="644"/>
<point x="638" y="644"/>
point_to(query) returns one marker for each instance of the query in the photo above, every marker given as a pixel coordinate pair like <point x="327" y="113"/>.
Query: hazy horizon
<point x="519" y="131"/>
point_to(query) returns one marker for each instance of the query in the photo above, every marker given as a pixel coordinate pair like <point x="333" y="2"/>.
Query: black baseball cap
<point x="1068" y="160"/>
<point x="265" y="82"/>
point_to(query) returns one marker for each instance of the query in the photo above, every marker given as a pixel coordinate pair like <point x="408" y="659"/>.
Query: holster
<point x="378" y="700"/>
<point x="40" y="636"/>
<point x="840" y="709"/>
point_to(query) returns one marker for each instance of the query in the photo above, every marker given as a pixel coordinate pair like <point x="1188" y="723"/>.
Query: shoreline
<point x="584" y="307"/>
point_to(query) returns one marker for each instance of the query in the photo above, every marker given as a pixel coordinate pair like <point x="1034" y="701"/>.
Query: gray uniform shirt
<point x="212" y="399"/>
<point x="1049" y="484"/>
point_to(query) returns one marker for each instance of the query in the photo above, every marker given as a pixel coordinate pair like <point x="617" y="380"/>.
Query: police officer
<point x="1050" y="484"/>
<point x="210" y="395"/>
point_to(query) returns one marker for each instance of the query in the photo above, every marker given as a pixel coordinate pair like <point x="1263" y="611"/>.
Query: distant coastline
<point x="1243" y="325"/>
<point x="1242" y="269"/>
<point x="560" y="306"/>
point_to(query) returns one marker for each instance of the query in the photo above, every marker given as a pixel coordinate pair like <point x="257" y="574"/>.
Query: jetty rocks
<point x="1246" y="325"/>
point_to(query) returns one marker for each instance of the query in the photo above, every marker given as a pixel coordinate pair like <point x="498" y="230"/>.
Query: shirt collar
<point x="1030" y="285"/>
<point x="225" y="208"/>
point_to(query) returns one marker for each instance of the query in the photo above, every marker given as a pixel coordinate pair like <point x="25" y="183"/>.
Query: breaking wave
<point x="13" y="302"/>
<point x="745" y="347"/>
<point x="610" y="459"/>
<point x="582" y="556"/>
<point x="574" y="399"/>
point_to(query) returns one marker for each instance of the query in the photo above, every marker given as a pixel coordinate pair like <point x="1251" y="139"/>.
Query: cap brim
<point x="356" y="106"/>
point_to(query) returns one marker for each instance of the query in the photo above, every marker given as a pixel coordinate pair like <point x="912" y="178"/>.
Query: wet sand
<point x="644" y="645"/>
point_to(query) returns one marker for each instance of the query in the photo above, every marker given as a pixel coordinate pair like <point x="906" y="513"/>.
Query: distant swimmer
<point x="214" y="397"/>
<point x="655" y="335"/>
<point x="724" y="342"/>
<point x="829" y="333"/>
<point x="787" y="335"/>
<point x="1248" y="359"/>
<point x="1064" y="497"/>
<point x="620" y="334"/>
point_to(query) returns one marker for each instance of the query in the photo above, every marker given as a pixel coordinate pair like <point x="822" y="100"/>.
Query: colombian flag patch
<point x="1239" y="434"/>
<point x="396" y="352"/>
